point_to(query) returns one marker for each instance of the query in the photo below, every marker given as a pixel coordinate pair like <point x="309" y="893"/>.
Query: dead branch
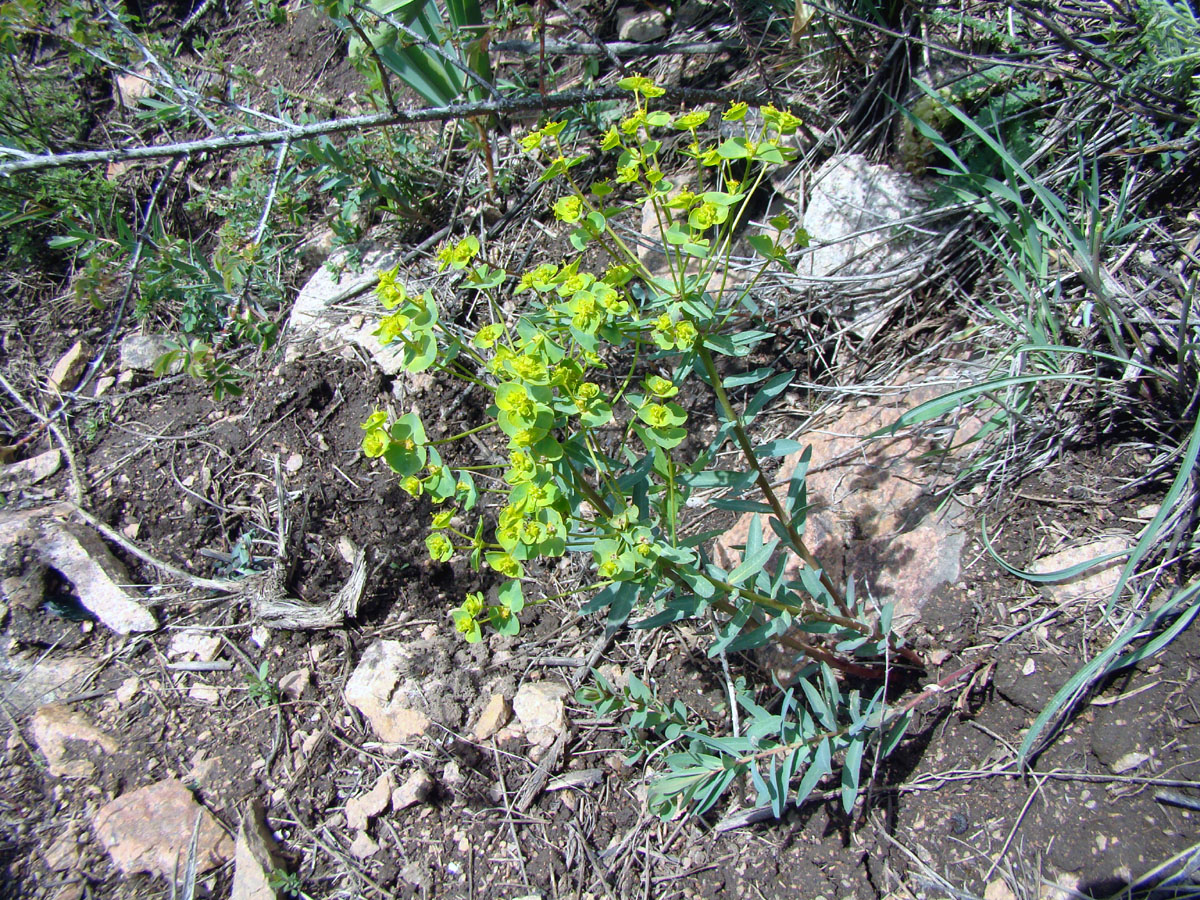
<point x="560" y="100"/>
<point x="616" y="48"/>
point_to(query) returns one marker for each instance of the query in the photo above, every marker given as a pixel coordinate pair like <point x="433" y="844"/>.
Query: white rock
<point x="319" y="321"/>
<point x="128" y="690"/>
<point x="540" y="709"/>
<point x="417" y="788"/>
<point x="850" y="195"/>
<point x="205" y="693"/>
<point x="640" y="26"/>
<point x="196" y="644"/>
<point x="1129" y="762"/>
<point x="998" y="890"/>
<point x="30" y="471"/>
<point x="96" y="574"/>
<point x="362" y="846"/>
<point x="54" y="725"/>
<point x="139" y="352"/>
<point x="360" y="810"/>
<point x="372" y="689"/>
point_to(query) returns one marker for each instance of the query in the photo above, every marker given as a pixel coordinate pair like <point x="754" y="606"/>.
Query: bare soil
<point x="180" y="473"/>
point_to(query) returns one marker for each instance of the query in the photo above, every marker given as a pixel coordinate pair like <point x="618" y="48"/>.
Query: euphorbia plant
<point x="585" y="385"/>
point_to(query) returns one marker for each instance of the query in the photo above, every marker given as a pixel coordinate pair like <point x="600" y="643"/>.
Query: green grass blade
<point x="951" y="401"/>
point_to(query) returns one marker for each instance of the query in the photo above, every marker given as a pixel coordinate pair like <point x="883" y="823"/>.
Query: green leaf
<point x="953" y="400"/>
<point x="779" y="447"/>
<point x="734" y="148"/>
<point x="737" y="505"/>
<point x="851" y="770"/>
<point x="510" y="594"/>
<point x="821" y="766"/>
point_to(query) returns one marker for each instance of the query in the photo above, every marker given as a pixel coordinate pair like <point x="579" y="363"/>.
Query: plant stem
<point x="764" y="483"/>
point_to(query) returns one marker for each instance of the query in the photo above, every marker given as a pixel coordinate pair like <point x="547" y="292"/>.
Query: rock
<point x="128" y="690"/>
<point x="403" y="689"/>
<point x="140" y="352"/>
<point x="694" y="12"/>
<point x="540" y="709"/>
<point x="204" y="693"/>
<point x="319" y="320"/>
<point x="29" y="682"/>
<point x="372" y="689"/>
<point x="873" y="509"/>
<point x="254" y="858"/>
<point x="294" y="463"/>
<point x="133" y="86"/>
<point x="69" y="368"/>
<point x="494" y="717"/>
<point x="192" y="643"/>
<point x="295" y="683"/>
<point x="150" y="830"/>
<point x="452" y="775"/>
<point x="640" y="26"/>
<point x="64" y="853"/>
<point x="998" y="890"/>
<point x="362" y="846"/>
<point x="360" y="810"/>
<point x="417" y="788"/>
<point x="1098" y="581"/>
<point x="103" y="384"/>
<point x="848" y="196"/>
<point x="30" y="471"/>
<point x="96" y="574"/>
<point x="55" y="727"/>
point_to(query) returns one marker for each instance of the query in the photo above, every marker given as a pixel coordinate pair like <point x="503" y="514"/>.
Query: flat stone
<point x="140" y="352"/>
<point x="417" y="788"/>
<point x="192" y="643"/>
<point x="30" y="471"/>
<point x="361" y="809"/>
<point x="96" y="574"/>
<point x="540" y="709"/>
<point x="873" y="509"/>
<point x="1096" y="582"/>
<point x="373" y="690"/>
<point x="640" y="26"/>
<point x="64" y="853"/>
<point x="295" y="683"/>
<point x="55" y="727"/>
<point x="69" y="368"/>
<point x="320" y="321"/>
<point x="255" y="857"/>
<point x="204" y="693"/>
<point x="494" y="717"/>
<point x="150" y="830"/>
<point x="133" y="86"/>
<point x="362" y="846"/>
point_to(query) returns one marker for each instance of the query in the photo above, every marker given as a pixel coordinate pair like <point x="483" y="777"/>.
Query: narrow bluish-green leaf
<point x="821" y="766"/>
<point x="779" y="447"/>
<point x="850" y="773"/>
